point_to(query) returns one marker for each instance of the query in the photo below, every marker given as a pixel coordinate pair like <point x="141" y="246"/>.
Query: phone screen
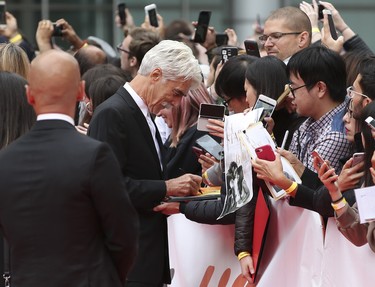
<point x="211" y="146"/>
<point x="209" y="111"/>
<point x="267" y="108"/>
<point x="153" y="18"/>
<point x="212" y="111"/>
<point x="3" y="21"/>
<point x="202" y="26"/>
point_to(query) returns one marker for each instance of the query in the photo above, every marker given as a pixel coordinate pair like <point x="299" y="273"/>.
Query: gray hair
<point x="175" y="59"/>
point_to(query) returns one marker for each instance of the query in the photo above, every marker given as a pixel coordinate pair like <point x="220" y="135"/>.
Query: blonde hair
<point x="14" y="59"/>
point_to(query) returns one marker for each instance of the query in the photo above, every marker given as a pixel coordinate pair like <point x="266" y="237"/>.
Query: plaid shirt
<point x="326" y="136"/>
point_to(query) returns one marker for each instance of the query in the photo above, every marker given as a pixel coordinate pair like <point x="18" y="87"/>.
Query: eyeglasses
<point x="294" y="89"/>
<point x="350" y="92"/>
<point x="226" y="102"/>
<point x="121" y="49"/>
<point x="349" y="109"/>
<point x="274" y="37"/>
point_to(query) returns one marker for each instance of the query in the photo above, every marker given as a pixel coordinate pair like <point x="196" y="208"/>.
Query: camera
<point x="57" y="31"/>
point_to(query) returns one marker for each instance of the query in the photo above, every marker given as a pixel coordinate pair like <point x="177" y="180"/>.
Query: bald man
<point x="63" y="207"/>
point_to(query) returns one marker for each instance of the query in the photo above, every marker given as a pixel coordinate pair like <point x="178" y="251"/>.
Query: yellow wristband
<point x="292" y="187"/>
<point x="315" y="30"/>
<point x="16" y="38"/>
<point x="340" y="204"/>
<point x="243" y="254"/>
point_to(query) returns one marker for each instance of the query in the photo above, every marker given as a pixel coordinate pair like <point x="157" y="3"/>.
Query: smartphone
<point x="221" y="39"/>
<point x="320" y="11"/>
<point x="150" y="10"/>
<point x="227" y="52"/>
<point x="57" y="31"/>
<point x="332" y="28"/>
<point x="197" y="151"/>
<point x="370" y="122"/>
<point x="265" y="152"/>
<point x="121" y="13"/>
<point x="251" y="47"/>
<point x="315" y="154"/>
<point x="209" y="111"/>
<point x="202" y="26"/>
<point x="358" y="157"/>
<point x="3" y="21"/>
<point x="268" y="104"/>
<point x="211" y="146"/>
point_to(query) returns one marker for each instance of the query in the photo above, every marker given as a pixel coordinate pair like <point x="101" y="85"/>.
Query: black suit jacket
<point x="120" y="122"/>
<point x="64" y="211"/>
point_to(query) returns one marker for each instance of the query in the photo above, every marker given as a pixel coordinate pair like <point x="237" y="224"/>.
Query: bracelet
<point x="16" y="38"/>
<point x="315" y="30"/>
<point x="339" y="205"/>
<point x="243" y="254"/>
<point x="344" y="29"/>
<point x="338" y="200"/>
<point x="292" y="187"/>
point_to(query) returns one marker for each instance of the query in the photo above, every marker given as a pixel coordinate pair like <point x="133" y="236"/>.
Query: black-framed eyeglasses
<point x="121" y="49"/>
<point x="294" y="89"/>
<point x="226" y="102"/>
<point x="274" y="37"/>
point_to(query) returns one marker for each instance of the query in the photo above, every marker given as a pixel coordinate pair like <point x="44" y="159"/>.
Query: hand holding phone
<point x="202" y="26"/>
<point x="265" y="152"/>
<point x="121" y="13"/>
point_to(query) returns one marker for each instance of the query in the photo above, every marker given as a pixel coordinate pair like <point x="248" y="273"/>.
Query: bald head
<point x="54" y="83"/>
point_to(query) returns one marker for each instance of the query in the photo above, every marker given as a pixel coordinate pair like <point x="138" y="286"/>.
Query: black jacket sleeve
<point x="244" y="225"/>
<point x="357" y="44"/>
<point x="207" y="211"/>
<point x="318" y="200"/>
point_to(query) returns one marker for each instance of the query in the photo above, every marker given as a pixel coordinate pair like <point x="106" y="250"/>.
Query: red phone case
<point x="198" y="151"/>
<point x="265" y="152"/>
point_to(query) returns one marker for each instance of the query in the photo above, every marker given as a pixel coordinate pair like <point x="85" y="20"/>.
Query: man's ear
<point x="322" y="89"/>
<point x="133" y="62"/>
<point x="156" y="74"/>
<point x="30" y="98"/>
<point x="304" y="39"/>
